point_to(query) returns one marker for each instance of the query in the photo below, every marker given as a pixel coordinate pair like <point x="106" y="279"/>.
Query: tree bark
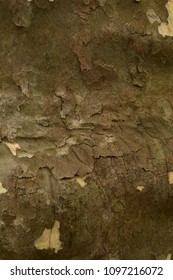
<point x="86" y="129"/>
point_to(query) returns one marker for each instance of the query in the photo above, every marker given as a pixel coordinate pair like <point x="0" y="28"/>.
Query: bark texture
<point x="86" y="129"/>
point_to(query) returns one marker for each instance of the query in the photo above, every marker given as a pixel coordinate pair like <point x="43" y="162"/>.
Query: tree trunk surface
<point x="86" y="129"/>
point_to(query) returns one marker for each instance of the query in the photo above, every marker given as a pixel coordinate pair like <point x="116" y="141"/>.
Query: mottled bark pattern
<point x="86" y="129"/>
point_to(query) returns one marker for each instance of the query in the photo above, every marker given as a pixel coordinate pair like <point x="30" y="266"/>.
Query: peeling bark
<point x="86" y="131"/>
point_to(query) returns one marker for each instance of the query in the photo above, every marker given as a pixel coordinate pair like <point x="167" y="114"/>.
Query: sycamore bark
<point x="86" y="129"/>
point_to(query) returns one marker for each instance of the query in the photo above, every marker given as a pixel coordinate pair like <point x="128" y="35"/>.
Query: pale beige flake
<point x="140" y="188"/>
<point x="168" y="257"/>
<point x="2" y="190"/>
<point x="13" y="147"/>
<point x="43" y="242"/>
<point x="81" y="181"/>
<point x="170" y="177"/>
<point x="55" y="242"/>
<point x="166" y="29"/>
<point x="50" y="239"/>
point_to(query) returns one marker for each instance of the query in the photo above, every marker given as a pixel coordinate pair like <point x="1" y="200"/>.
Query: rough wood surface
<point x="86" y="129"/>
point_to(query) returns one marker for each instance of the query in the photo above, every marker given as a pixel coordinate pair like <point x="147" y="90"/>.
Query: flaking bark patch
<point x="50" y="239"/>
<point x="86" y="110"/>
<point x="2" y="189"/>
<point x="166" y="29"/>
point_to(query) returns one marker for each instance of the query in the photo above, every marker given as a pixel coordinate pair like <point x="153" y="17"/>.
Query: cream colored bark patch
<point x="2" y="190"/>
<point x="140" y="188"/>
<point x="13" y="147"/>
<point x="168" y="257"/>
<point x="170" y="177"/>
<point x="81" y="181"/>
<point x="50" y="239"/>
<point x="17" y="151"/>
<point x="166" y="29"/>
